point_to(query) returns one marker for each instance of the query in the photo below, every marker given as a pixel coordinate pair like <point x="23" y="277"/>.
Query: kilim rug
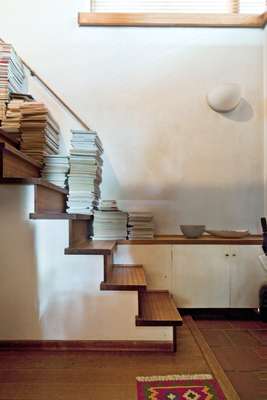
<point x="179" y="387"/>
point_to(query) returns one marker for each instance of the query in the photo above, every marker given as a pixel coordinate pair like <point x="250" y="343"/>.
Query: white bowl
<point x="193" y="231"/>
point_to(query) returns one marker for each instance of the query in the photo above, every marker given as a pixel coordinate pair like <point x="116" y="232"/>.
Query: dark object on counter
<point x="263" y="290"/>
<point x="263" y="303"/>
<point x="264" y="231"/>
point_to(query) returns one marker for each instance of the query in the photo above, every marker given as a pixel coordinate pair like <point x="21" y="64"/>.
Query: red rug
<point x="179" y="387"/>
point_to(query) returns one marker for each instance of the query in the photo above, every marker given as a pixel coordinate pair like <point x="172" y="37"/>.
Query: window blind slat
<point x="180" y="6"/>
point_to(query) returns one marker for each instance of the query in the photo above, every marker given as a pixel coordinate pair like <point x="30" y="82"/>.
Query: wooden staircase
<point x="155" y="308"/>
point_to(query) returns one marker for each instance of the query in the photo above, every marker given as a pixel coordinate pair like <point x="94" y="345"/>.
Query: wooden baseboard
<point x="86" y="345"/>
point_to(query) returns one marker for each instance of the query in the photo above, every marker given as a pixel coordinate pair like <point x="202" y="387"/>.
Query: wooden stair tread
<point x="33" y="181"/>
<point x="60" y="216"/>
<point x="18" y="153"/>
<point x="100" y="247"/>
<point x="9" y="138"/>
<point x="125" y="277"/>
<point x="158" y="309"/>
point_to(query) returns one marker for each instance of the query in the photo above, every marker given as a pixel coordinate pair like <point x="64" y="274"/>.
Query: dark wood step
<point x="32" y="181"/>
<point x="48" y="198"/>
<point x="99" y="247"/>
<point x="157" y="308"/>
<point x="125" y="277"/>
<point x="15" y="164"/>
<point x="9" y="138"/>
<point x="60" y="216"/>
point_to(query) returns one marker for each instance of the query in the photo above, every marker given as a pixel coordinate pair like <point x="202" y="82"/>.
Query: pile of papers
<point x="39" y="131"/>
<point x="85" y="174"/>
<point x="140" y="225"/>
<point x="56" y="168"/>
<point x="109" y="222"/>
<point x="12" y="76"/>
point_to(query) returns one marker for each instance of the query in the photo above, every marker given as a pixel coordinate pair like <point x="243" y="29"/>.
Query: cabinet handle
<point x="234" y="255"/>
<point x="226" y="255"/>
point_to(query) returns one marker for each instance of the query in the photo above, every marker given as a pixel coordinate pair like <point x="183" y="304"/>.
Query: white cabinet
<point x="247" y="276"/>
<point x="217" y="276"/>
<point x="201" y="276"/>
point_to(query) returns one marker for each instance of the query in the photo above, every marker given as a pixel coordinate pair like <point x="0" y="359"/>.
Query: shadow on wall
<point x="243" y="112"/>
<point x="19" y="316"/>
<point x="219" y="207"/>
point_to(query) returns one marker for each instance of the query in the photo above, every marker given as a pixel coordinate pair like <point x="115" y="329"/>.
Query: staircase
<point x="155" y="308"/>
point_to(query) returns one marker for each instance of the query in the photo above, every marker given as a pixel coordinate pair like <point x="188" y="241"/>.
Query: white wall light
<point x="225" y="97"/>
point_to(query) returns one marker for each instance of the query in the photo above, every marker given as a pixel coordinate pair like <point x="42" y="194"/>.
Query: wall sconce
<point x="225" y="97"/>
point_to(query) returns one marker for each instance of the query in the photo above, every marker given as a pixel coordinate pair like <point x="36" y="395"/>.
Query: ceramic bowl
<point x="192" y="231"/>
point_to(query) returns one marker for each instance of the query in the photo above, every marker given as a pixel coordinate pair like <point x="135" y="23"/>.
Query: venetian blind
<point x="180" y="6"/>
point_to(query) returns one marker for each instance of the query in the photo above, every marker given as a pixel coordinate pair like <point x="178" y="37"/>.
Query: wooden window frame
<point x="172" y="20"/>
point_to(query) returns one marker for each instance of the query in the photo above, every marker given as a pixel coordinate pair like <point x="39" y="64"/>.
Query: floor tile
<point x="216" y="337"/>
<point x="241" y="338"/>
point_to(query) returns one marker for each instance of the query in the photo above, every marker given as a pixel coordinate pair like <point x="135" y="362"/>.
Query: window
<point x="180" y="6"/>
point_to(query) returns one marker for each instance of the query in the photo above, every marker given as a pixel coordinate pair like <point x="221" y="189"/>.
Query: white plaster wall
<point x="144" y="91"/>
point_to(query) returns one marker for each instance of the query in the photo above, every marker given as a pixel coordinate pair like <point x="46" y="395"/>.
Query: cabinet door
<point x="246" y="276"/>
<point x="201" y="276"/>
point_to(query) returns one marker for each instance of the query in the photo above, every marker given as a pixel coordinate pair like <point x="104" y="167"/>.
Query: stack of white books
<point x="85" y="174"/>
<point x="109" y="222"/>
<point x="39" y="131"/>
<point x="12" y="75"/>
<point x="56" y="168"/>
<point x="140" y="225"/>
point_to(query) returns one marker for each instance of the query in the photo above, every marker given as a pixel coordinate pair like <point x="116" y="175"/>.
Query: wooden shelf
<point x="205" y="239"/>
<point x="96" y="247"/>
<point x="15" y="164"/>
<point x="61" y="216"/>
<point x="157" y="308"/>
<point x="171" y="20"/>
<point x="125" y="277"/>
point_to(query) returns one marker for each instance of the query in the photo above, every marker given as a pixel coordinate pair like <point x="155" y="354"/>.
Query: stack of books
<point x="12" y="76"/>
<point x="140" y="225"/>
<point x="12" y="119"/>
<point x="56" y="168"/>
<point x="39" y="131"/>
<point x="109" y="222"/>
<point x="85" y="174"/>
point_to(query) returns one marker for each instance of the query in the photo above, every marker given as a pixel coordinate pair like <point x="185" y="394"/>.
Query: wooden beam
<point x="171" y="20"/>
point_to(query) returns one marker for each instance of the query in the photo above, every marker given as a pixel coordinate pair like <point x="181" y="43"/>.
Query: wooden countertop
<point x="205" y="239"/>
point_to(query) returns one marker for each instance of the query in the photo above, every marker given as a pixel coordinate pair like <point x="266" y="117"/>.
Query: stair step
<point x="32" y="181"/>
<point x="15" y="164"/>
<point x="125" y="277"/>
<point x="97" y="247"/>
<point x="60" y="216"/>
<point x="9" y="138"/>
<point x="157" y="308"/>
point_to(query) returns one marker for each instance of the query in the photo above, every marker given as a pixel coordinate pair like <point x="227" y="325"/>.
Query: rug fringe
<point x="173" y="377"/>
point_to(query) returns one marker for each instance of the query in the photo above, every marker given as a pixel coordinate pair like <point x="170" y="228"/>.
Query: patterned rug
<point x="179" y="387"/>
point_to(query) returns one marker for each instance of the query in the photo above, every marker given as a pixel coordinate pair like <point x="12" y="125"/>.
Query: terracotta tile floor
<point x="241" y="349"/>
